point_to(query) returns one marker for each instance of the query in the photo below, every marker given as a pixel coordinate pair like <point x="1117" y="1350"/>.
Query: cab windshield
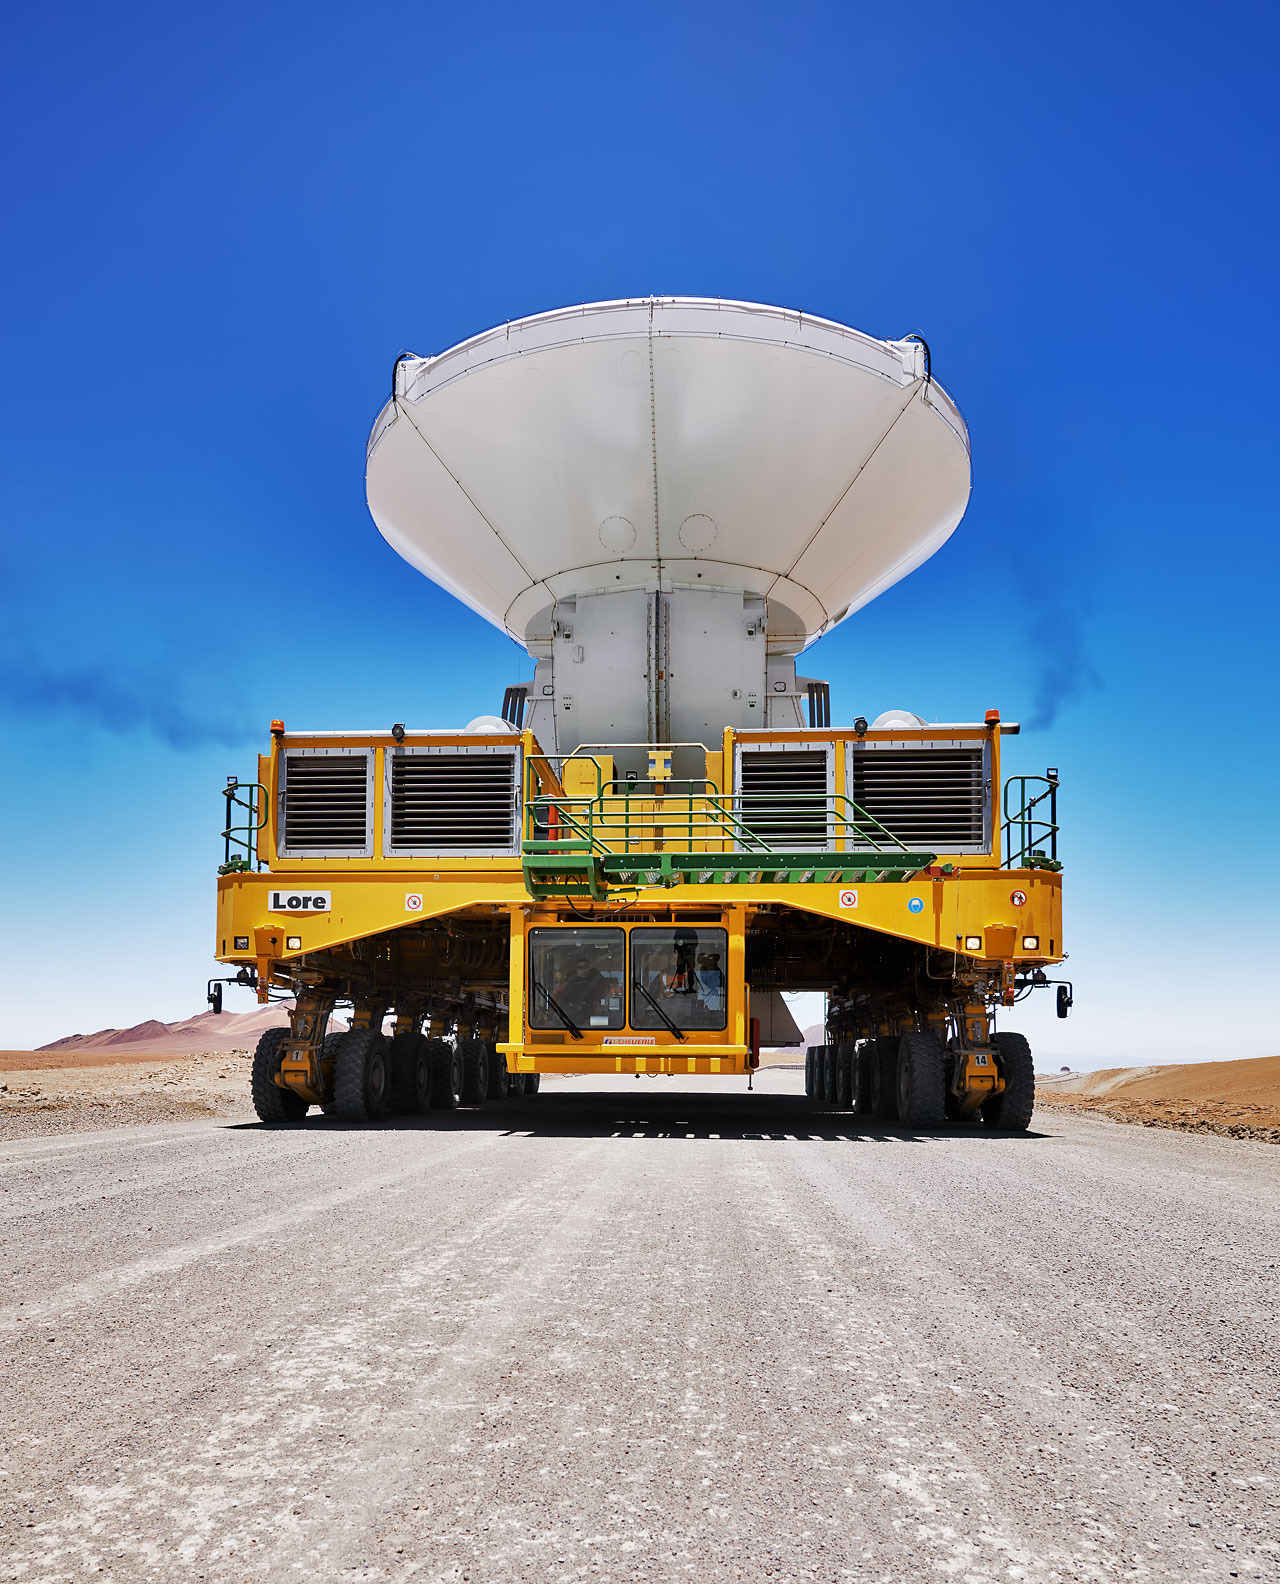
<point x="678" y="978"/>
<point x="576" y="978"/>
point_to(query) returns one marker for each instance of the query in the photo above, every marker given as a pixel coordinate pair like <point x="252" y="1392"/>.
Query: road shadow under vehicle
<point x="759" y="1116"/>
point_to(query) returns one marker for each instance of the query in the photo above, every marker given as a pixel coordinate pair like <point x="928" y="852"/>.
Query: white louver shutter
<point x="442" y="801"/>
<point x="326" y="804"/>
<point x="784" y="798"/>
<point x="932" y="799"/>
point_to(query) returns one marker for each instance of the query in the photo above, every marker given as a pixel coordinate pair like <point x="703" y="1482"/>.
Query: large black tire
<point x="362" y="1075"/>
<point x="884" y="1078"/>
<point x="864" y="1061"/>
<point x="446" y="1075"/>
<point x="922" y="1081"/>
<point x="810" y="1087"/>
<point x="518" y="1085"/>
<point x="532" y="1083"/>
<point x="475" y="1071"/>
<point x="499" y="1077"/>
<point x="275" y="1106"/>
<point x="845" y="1056"/>
<point x="411" y="1075"/>
<point x="329" y="1053"/>
<point x="829" y="1064"/>
<point x="1011" y="1110"/>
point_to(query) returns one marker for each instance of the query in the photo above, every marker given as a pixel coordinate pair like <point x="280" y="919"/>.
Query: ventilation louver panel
<point x="453" y="802"/>
<point x="783" y="799"/>
<point x="326" y="802"/>
<point x="931" y="799"/>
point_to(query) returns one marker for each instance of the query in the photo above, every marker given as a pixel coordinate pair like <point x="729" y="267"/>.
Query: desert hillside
<point x="1241" y="1098"/>
<point x="207" y="1032"/>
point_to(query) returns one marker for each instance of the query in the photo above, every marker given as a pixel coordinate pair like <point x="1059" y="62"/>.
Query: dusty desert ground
<point x="68" y="1087"/>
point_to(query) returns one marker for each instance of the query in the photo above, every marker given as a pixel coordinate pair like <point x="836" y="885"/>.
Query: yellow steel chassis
<point x="962" y="898"/>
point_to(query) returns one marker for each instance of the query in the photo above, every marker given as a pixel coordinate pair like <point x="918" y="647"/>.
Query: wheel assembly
<point x="275" y="1106"/>
<point x="884" y="1078"/>
<point x="411" y="1074"/>
<point x="1011" y="1109"/>
<point x="844" y="1076"/>
<point x="446" y="1075"/>
<point x="362" y="1075"/>
<point x="475" y="1071"/>
<point x="499" y="1077"/>
<point x="863" y="1064"/>
<point x="922" y="1081"/>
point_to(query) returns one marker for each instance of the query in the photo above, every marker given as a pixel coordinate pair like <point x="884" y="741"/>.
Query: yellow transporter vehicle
<point x="664" y="501"/>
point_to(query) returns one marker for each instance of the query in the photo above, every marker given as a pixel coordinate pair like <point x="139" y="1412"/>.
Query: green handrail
<point x="242" y="836"/>
<point x="706" y="814"/>
<point x="1037" y="836"/>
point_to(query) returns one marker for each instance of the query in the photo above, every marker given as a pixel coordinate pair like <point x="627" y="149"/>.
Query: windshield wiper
<point x="674" y="1027"/>
<point x="557" y="1009"/>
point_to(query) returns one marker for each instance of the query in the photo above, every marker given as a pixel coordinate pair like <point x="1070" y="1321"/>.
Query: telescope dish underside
<point x="669" y="443"/>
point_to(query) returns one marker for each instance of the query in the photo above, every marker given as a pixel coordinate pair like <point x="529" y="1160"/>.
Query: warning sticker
<point x="915" y="905"/>
<point x="848" y="899"/>
<point x="413" y="902"/>
<point x="1017" y="898"/>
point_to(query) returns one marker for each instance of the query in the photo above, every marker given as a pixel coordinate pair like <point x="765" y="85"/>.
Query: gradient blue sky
<point x="224" y="222"/>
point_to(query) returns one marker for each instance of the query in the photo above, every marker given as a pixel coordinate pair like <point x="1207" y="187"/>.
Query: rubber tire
<point x="517" y="1085"/>
<point x="329" y="1052"/>
<point x="829" y="1074"/>
<point x="884" y="1078"/>
<point x="863" y="1061"/>
<point x="808" y="1071"/>
<point x="1011" y="1110"/>
<point x="446" y="1075"/>
<point x="499" y="1077"/>
<point x="276" y="1107"/>
<point x="362" y="1075"/>
<point x="922" y="1081"/>
<point x="532" y="1083"/>
<point x="411" y="1075"/>
<point x="475" y="1071"/>
<point x="845" y="1057"/>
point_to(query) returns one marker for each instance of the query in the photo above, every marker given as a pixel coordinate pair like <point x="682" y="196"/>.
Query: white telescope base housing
<point x="664" y="500"/>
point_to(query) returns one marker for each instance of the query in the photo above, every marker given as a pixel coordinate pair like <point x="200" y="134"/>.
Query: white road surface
<point x="639" y="1331"/>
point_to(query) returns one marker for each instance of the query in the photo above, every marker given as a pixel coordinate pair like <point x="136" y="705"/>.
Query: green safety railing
<point x="240" y="842"/>
<point x="576" y="843"/>
<point x="1031" y="839"/>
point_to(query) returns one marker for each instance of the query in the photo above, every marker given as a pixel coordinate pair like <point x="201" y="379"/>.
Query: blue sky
<point x="224" y="223"/>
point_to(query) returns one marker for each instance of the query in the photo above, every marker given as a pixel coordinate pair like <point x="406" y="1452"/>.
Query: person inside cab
<point x="584" y="991"/>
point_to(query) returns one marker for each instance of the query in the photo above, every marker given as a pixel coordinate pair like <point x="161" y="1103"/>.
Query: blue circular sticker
<point x="915" y="905"/>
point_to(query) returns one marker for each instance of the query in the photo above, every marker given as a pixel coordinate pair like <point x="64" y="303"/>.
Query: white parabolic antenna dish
<point x="669" y="443"/>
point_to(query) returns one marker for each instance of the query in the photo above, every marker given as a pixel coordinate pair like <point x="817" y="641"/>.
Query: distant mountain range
<point x="208" y="1031"/>
<point x="211" y="1031"/>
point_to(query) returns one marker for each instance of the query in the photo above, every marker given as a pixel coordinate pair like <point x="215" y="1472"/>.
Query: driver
<point x="583" y="991"/>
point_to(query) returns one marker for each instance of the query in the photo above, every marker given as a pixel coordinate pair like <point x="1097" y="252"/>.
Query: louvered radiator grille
<point x="932" y="799"/>
<point x="783" y="799"/>
<point x="453" y="802"/>
<point x="326" y="802"/>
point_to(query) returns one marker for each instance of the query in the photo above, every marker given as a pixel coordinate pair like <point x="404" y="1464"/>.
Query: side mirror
<point x="1065" y="998"/>
<point x="215" y="995"/>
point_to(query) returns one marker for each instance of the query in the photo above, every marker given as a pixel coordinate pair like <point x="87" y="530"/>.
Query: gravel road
<point x="639" y="1331"/>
